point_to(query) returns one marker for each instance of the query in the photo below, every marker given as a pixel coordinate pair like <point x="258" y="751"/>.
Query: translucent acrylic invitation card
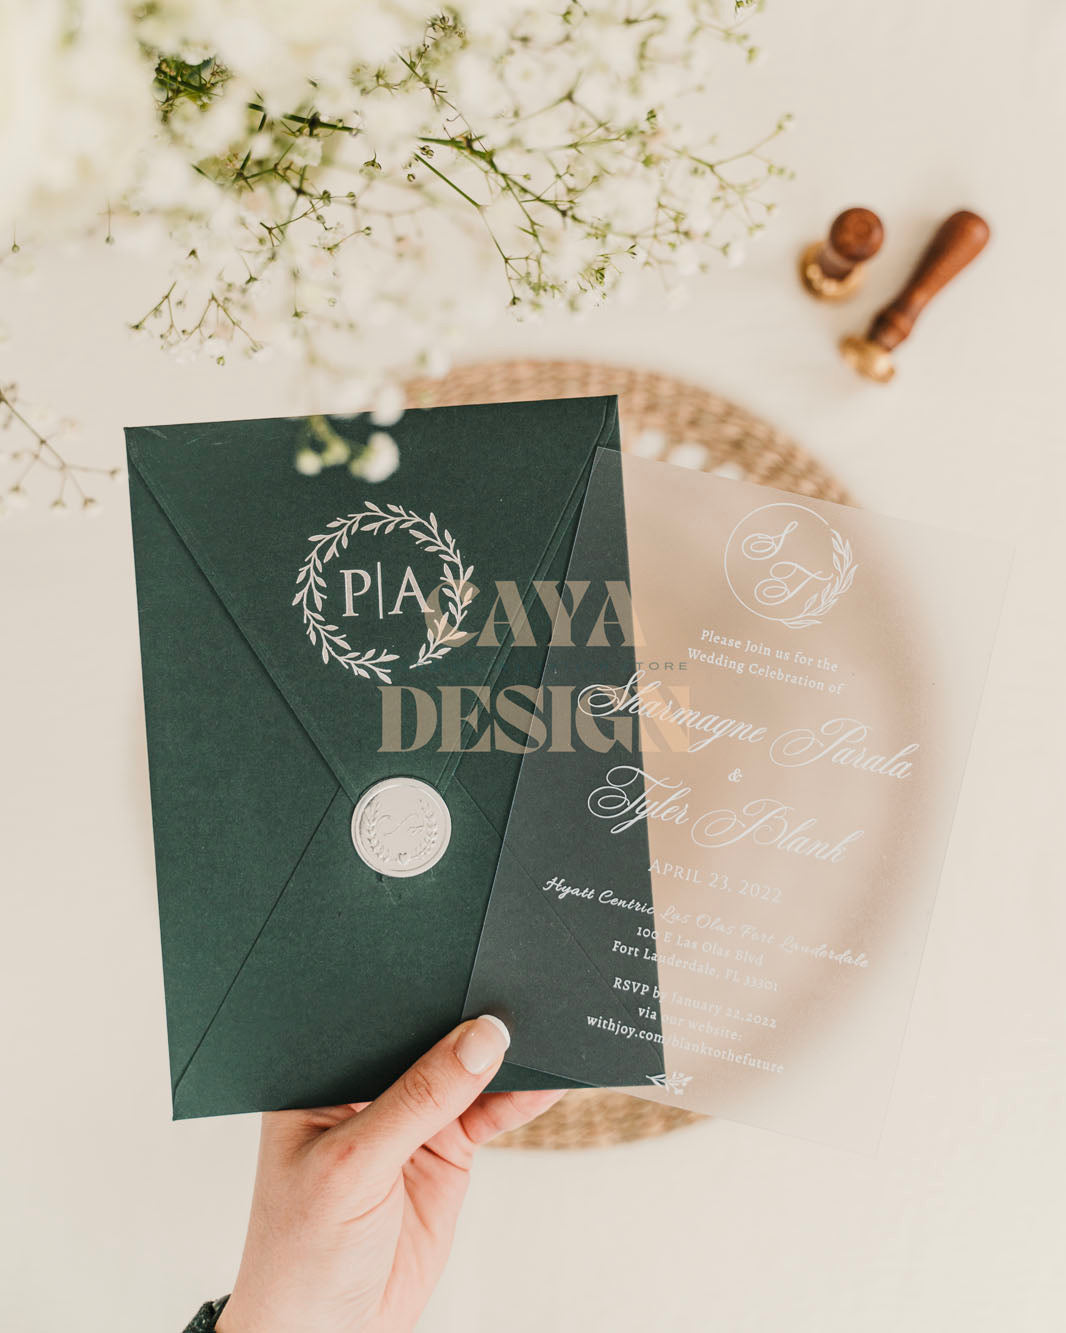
<point x="730" y="820"/>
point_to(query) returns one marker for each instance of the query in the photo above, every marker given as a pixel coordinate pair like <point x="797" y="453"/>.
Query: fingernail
<point x="482" y="1043"/>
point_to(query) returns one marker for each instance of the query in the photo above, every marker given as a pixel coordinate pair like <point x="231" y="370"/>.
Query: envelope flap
<point x="237" y="786"/>
<point x="343" y="587"/>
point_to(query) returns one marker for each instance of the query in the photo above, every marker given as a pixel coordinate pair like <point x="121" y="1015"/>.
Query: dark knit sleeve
<point x="204" y="1319"/>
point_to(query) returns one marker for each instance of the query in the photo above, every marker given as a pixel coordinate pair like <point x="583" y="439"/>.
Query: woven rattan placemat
<point x="666" y="418"/>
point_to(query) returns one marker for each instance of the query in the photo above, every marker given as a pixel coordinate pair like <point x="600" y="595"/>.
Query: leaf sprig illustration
<point x="821" y="603"/>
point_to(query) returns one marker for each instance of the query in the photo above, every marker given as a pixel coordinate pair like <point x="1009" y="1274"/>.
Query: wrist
<point x="229" y="1320"/>
<point x="238" y="1317"/>
<point x="206" y="1318"/>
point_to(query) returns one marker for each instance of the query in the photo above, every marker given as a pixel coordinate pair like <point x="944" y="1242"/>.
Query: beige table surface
<point x="113" y="1219"/>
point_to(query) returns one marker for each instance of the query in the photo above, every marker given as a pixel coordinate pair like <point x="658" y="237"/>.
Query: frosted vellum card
<point x="782" y="765"/>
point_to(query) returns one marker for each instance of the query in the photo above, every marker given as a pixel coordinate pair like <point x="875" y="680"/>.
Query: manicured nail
<point x="482" y="1043"/>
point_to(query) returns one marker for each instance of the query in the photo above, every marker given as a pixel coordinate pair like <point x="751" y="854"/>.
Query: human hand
<point x="355" y="1206"/>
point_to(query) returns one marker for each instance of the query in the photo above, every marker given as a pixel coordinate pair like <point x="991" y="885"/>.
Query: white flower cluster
<point x="358" y="184"/>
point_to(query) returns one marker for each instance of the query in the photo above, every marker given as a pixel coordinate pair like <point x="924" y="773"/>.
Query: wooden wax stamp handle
<point x="832" y="268"/>
<point x="958" y="240"/>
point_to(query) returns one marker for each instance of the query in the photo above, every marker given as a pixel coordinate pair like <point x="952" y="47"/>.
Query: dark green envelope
<point x="294" y="974"/>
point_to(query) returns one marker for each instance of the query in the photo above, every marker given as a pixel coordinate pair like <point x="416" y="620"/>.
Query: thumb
<point x="436" y="1090"/>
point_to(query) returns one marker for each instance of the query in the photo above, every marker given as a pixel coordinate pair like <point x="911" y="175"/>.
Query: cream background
<point x="114" y="1219"/>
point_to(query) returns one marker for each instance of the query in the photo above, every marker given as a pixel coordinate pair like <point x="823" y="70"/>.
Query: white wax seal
<point x="401" y="826"/>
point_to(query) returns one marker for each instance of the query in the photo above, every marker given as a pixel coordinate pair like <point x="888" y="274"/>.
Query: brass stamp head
<point x="869" y="359"/>
<point x="834" y="268"/>
<point x="818" y="282"/>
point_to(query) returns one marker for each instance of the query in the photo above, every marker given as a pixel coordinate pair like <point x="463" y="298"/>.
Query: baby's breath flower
<point x="309" y="462"/>
<point x="735" y="254"/>
<point x="379" y="459"/>
<point x="45" y="432"/>
<point x="336" y="189"/>
<point x="388" y="407"/>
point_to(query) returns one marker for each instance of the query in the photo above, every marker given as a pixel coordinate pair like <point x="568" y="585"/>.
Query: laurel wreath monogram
<point x="456" y="592"/>
<point x="821" y="603"/>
